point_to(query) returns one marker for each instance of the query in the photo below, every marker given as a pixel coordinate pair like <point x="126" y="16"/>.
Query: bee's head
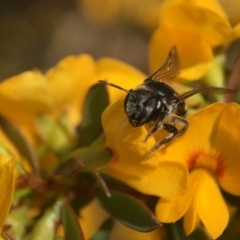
<point x="141" y="107"/>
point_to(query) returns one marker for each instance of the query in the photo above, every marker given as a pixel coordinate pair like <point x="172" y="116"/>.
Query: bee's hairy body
<point x="156" y="101"/>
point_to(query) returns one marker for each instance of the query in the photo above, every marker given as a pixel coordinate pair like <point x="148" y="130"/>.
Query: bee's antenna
<point x="206" y="89"/>
<point x="113" y="85"/>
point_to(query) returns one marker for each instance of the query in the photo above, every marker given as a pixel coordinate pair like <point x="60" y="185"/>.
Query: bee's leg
<point x="157" y="126"/>
<point x="175" y="132"/>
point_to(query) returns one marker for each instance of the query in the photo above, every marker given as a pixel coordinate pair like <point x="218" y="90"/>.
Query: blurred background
<point x="38" y="33"/>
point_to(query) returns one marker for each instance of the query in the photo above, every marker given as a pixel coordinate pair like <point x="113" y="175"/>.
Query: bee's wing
<point x="170" y="69"/>
<point x="217" y="90"/>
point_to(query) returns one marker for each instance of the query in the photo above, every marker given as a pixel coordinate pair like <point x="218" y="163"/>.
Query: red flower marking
<point x="220" y="168"/>
<point x="219" y="161"/>
<point x="193" y="159"/>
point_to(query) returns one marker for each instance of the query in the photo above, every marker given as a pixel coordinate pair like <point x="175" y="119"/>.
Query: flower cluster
<point x="73" y="164"/>
<point x="196" y="28"/>
<point x="188" y="174"/>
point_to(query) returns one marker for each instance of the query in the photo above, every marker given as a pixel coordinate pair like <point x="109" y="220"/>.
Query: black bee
<point x="156" y="101"/>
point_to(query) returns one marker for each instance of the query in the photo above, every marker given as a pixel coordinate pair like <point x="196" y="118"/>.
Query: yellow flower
<point x="6" y="185"/>
<point x="69" y="82"/>
<point x="195" y="27"/>
<point x="210" y="149"/>
<point x="151" y="176"/>
<point x="71" y="78"/>
<point x="31" y="93"/>
<point x="62" y="89"/>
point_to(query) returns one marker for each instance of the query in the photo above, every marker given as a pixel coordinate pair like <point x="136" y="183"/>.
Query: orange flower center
<point x="212" y="161"/>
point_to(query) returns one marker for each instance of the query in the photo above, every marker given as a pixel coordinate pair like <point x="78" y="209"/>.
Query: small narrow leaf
<point x="95" y="103"/>
<point x="92" y="157"/>
<point x="45" y="226"/>
<point x="70" y="166"/>
<point x="5" y="236"/>
<point x="129" y="211"/>
<point x="102" y="184"/>
<point x="17" y="138"/>
<point x="72" y="229"/>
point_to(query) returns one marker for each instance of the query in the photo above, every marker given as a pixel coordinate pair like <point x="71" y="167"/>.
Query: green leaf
<point x="68" y="167"/>
<point x="95" y="103"/>
<point x="92" y="157"/>
<point x="45" y="226"/>
<point x="18" y="221"/>
<point x="17" y="138"/>
<point x="56" y="137"/>
<point x="100" y="141"/>
<point x="72" y="229"/>
<point x="129" y="211"/>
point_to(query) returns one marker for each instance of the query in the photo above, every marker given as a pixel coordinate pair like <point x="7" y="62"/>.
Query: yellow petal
<point x="92" y="216"/>
<point x="118" y="73"/>
<point x="26" y="93"/>
<point x="211" y="206"/>
<point x="191" y="218"/>
<point x="194" y="53"/>
<point x="6" y="186"/>
<point x="60" y="85"/>
<point x="128" y="165"/>
<point x="120" y="232"/>
<point x="235" y="35"/>
<point x="172" y="209"/>
<point x="225" y="139"/>
<point x="127" y="143"/>
<point x="168" y="180"/>
<point x="205" y="19"/>
<point x="69" y="83"/>
<point x="232" y="8"/>
<point x="213" y="6"/>
<point x="106" y="64"/>
<point x="236" y="31"/>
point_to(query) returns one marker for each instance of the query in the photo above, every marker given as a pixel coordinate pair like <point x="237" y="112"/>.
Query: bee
<point x="156" y="101"/>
